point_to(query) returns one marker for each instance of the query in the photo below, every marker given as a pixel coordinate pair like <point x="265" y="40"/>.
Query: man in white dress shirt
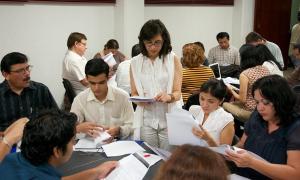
<point x="74" y="62"/>
<point x="101" y="106"/>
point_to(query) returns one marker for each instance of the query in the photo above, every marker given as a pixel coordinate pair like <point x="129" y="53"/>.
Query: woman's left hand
<point x="241" y="158"/>
<point x="163" y="97"/>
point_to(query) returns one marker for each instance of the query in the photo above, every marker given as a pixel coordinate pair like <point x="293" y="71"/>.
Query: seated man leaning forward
<point x="47" y="143"/>
<point x="101" y="106"/>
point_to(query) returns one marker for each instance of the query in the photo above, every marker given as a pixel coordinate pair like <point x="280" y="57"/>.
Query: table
<point x="80" y="161"/>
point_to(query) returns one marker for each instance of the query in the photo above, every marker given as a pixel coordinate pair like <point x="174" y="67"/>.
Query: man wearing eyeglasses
<point x="74" y="62"/>
<point x="19" y="96"/>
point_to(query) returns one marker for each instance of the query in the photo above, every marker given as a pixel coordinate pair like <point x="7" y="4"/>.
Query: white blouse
<point x="215" y="122"/>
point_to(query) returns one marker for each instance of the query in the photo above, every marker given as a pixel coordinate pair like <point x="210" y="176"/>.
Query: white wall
<point x="41" y="30"/>
<point x="192" y="23"/>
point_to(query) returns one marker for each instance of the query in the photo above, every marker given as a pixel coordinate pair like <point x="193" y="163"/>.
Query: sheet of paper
<point x="119" y="148"/>
<point x="151" y="159"/>
<point x="129" y="168"/>
<point x="231" y="80"/>
<point x="141" y="99"/>
<point x="222" y="148"/>
<point x="163" y="154"/>
<point x="180" y="124"/>
<point x="109" y="59"/>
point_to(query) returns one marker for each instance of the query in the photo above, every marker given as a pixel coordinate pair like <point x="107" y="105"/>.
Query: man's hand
<point x="14" y="132"/>
<point x="114" y="132"/>
<point x="89" y="128"/>
<point x="105" y="168"/>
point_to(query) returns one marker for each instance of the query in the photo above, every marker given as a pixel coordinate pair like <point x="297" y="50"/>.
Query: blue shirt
<point x="15" y="166"/>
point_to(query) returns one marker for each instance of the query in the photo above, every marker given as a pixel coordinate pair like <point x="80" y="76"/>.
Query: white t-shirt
<point x="272" y="67"/>
<point x="123" y="77"/>
<point x="215" y="122"/>
<point x="73" y="70"/>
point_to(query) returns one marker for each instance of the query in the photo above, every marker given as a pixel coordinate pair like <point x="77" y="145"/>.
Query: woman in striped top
<point x="195" y="73"/>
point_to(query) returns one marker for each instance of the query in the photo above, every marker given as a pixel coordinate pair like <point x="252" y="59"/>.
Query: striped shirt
<point x="224" y="56"/>
<point x="193" y="78"/>
<point x="32" y="100"/>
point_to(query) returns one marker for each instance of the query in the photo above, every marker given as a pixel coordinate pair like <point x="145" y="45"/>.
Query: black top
<point x="31" y="101"/>
<point x="273" y="146"/>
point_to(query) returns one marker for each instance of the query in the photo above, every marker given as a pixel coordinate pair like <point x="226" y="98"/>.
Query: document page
<point x="120" y="148"/>
<point x="131" y="167"/>
<point x="180" y="123"/>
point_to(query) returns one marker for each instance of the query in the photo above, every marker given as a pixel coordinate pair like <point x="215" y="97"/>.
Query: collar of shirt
<point x="109" y="97"/>
<point x="229" y="47"/>
<point x="5" y="87"/>
<point x="75" y="55"/>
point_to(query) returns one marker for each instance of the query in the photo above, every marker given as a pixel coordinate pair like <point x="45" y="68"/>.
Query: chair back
<point x="70" y="93"/>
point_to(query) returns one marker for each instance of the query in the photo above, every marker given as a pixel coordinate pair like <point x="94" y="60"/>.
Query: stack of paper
<point x="180" y="123"/>
<point x="89" y="144"/>
<point x="141" y="99"/>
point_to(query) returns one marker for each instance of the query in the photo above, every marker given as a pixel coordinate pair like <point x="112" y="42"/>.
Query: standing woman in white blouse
<point x="155" y="73"/>
<point x="216" y="125"/>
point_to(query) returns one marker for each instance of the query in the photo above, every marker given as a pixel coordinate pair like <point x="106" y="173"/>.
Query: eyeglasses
<point x="23" y="70"/>
<point x="157" y="43"/>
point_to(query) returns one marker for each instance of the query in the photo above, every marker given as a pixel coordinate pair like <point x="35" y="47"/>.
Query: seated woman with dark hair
<point x="272" y="132"/>
<point x="215" y="125"/>
<point x="195" y="73"/>
<point x="189" y="162"/>
<point x="251" y="71"/>
<point x="267" y="60"/>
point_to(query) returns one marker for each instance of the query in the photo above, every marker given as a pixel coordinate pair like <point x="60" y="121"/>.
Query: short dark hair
<point x="75" y="37"/>
<point x="135" y="50"/>
<point x="111" y="44"/>
<point x="249" y="58"/>
<point x="253" y="37"/>
<point x="276" y="89"/>
<point x="11" y="59"/>
<point x="150" y="29"/>
<point x="215" y="87"/>
<point x="221" y="35"/>
<point x="297" y="46"/>
<point x="51" y="128"/>
<point x="264" y="54"/>
<point x="200" y="44"/>
<point x="190" y="162"/>
<point x="94" y="67"/>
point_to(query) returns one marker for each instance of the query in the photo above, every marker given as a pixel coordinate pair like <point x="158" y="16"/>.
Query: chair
<point x="69" y="94"/>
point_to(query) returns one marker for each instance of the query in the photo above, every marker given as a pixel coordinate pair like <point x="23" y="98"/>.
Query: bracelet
<point x="6" y="142"/>
<point x="172" y="98"/>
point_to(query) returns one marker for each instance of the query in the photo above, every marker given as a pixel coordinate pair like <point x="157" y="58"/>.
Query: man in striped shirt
<point x="19" y="96"/>
<point x="224" y="53"/>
